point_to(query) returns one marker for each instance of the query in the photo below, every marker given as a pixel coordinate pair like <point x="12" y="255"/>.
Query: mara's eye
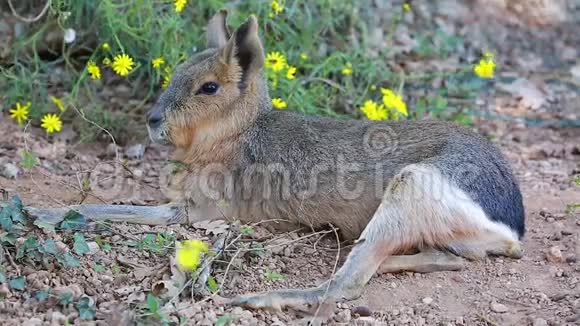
<point x="209" y="88"/>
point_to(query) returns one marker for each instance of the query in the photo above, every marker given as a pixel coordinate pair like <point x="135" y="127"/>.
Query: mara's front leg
<point x="171" y="213"/>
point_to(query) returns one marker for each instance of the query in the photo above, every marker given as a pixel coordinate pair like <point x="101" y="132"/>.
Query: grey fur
<point x="301" y="143"/>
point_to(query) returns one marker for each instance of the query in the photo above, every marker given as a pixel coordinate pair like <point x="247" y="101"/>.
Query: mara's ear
<point x="246" y="48"/>
<point x="217" y="30"/>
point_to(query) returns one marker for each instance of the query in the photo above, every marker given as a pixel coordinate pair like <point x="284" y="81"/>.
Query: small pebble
<point x="32" y="322"/>
<point x="427" y="300"/>
<point x="57" y="318"/>
<point x="499" y="308"/>
<point x="112" y="150"/>
<point x="10" y="170"/>
<point x="554" y="255"/>
<point x="93" y="247"/>
<point x="362" y="311"/>
<point x="539" y="322"/>
<point x="135" y="152"/>
<point x="343" y="316"/>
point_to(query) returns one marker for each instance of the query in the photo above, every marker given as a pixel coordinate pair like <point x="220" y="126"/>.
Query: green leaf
<point x="44" y="225"/>
<point x="441" y="103"/>
<point x="6" y="219"/>
<point x="273" y="276"/>
<point x="28" y="160"/>
<point x="116" y="269"/>
<point x="212" y="284"/>
<point x="73" y="221"/>
<point x="224" y="320"/>
<point x="98" y="268"/>
<point x="150" y="242"/>
<point x="41" y="295"/>
<point x="11" y="213"/>
<point x="66" y="299"/>
<point x="9" y="238"/>
<point x="86" y="311"/>
<point x="2" y="277"/>
<point x="463" y="119"/>
<point x="30" y="243"/>
<point x="18" y="283"/>
<point x="17" y="215"/>
<point x="49" y="247"/>
<point x="149" y="238"/>
<point x="247" y="230"/>
<point x="69" y="261"/>
<point x="80" y="245"/>
<point x="257" y="250"/>
<point x="152" y="303"/>
<point x="570" y="208"/>
<point x="131" y="243"/>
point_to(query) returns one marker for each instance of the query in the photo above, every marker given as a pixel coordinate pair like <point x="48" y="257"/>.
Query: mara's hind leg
<point x="487" y="243"/>
<point x="420" y="208"/>
<point x="426" y="261"/>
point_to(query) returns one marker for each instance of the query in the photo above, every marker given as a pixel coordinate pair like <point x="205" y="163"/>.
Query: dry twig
<point x="33" y="19"/>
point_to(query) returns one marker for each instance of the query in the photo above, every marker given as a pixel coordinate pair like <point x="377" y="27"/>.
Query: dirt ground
<point x="497" y="291"/>
<point x="542" y="288"/>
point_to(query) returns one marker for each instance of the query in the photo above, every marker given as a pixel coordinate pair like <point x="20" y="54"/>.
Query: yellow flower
<point x="486" y="66"/>
<point x="188" y="254"/>
<point x="373" y="87"/>
<point x="392" y="100"/>
<point x="279" y="103"/>
<point x="407" y="7"/>
<point x="179" y="5"/>
<point x="291" y="73"/>
<point x="94" y="70"/>
<point x="303" y="56"/>
<point x="276" y="7"/>
<point x="107" y="61"/>
<point x="51" y="122"/>
<point x="106" y="46"/>
<point x="273" y="78"/>
<point x="347" y="70"/>
<point x="166" y="81"/>
<point x="123" y="64"/>
<point x="275" y="61"/>
<point x="166" y="77"/>
<point x="487" y="54"/>
<point x="20" y="113"/>
<point x="58" y="103"/>
<point x="374" y="111"/>
<point x="157" y="62"/>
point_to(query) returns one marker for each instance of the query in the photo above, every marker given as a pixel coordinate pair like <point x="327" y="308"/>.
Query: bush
<point x="330" y="69"/>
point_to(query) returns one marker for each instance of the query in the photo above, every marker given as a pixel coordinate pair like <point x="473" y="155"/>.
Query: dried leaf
<point x="531" y="95"/>
<point x="214" y="227"/>
<point x="128" y="290"/>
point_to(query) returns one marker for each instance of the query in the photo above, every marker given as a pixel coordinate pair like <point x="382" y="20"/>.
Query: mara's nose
<point x="154" y="119"/>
